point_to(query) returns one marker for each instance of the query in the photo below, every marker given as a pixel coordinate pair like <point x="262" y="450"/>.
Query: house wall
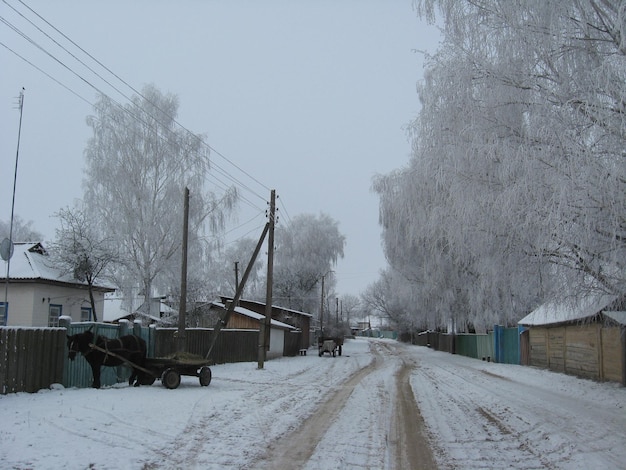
<point x="29" y="303"/>
<point x="20" y="299"/>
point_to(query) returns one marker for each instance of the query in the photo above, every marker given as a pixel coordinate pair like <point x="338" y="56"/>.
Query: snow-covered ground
<point x="476" y="415"/>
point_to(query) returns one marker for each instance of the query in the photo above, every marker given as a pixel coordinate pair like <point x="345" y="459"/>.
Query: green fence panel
<point x="466" y="345"/>
<point x="485" y="347"/>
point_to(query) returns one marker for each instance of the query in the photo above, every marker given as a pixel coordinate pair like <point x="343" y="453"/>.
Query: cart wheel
<point x="170" y="379"/>
<point x="205" y="376"/>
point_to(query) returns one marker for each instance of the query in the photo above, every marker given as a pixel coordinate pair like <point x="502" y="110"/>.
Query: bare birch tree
<point x="138" y="163"/>
<point x="306" y="250"/>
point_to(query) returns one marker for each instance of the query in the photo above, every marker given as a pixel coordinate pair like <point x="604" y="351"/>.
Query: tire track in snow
<point x="332" y="436"/>
<point x="294" y="452"/>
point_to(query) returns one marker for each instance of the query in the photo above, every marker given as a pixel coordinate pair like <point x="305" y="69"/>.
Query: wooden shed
<point x="586" y="338"/>
<point x="245" y="319"/>
<point x="300" y="320"/>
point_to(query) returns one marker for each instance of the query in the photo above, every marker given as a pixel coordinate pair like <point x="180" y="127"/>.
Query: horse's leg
<point x="95" y="370"/>
<point x="134" y="376"/>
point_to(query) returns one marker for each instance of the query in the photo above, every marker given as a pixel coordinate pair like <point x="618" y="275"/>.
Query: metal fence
<point x="501" y="345"/>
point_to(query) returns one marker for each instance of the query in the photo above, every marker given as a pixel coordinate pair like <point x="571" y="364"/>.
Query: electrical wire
<point x="215" y="166"/>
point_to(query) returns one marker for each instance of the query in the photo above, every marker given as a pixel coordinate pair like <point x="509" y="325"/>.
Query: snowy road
<point x="485" y="415"/>
<point x="353" y="411"/>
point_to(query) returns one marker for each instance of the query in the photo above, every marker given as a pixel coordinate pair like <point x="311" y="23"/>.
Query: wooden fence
<point x="35" y="358"/>
<point x="231" y="345"/>
<point x="30" y="358"/>
<point x="591" y="350"/>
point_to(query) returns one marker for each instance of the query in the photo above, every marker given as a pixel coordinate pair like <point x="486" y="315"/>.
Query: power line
<point x="46" y="74"/>
<point x="136" y="92"/>
<point x="214" y="165"/>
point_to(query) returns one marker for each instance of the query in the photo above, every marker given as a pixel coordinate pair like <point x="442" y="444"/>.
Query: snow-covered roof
<point x="619" y="317"/>
<point x="114" y="310"/>
<point x="278" y="307"/>
<point x="31" y="262"/>
<point x="557" y="311"/>
<point x="256" y="316"/>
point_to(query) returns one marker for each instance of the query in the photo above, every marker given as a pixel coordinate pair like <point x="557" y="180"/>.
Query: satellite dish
<point x="6" y="249"/>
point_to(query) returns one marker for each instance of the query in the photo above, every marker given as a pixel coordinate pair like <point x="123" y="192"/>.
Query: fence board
<point x="231" y="345"/>
<point x="612" y="357"/>
<point x="29" y="358"/>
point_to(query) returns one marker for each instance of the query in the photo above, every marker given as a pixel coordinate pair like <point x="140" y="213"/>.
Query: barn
<point x="296" y="318"/>
<point x="245" y="319"/>
<point x="585" y="337"/>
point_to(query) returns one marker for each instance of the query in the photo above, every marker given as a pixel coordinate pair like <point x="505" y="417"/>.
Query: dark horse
<point x="108" y="352"/>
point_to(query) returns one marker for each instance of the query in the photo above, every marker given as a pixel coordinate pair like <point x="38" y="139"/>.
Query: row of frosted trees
<point x="516" y="188"/>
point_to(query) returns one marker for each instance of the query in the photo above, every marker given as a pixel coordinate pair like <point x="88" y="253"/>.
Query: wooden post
<point x="322" y="309"/>
<point x="623" y="338"/>
<point x="183" y="278"/>
<point x="266" y="325"/>
<point x="223" y="321"/>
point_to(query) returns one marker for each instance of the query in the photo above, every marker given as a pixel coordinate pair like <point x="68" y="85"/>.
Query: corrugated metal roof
<point x="562" y="311"/>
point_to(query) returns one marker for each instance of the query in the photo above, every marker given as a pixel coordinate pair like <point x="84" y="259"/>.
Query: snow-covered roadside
<point x="478" y="415"/>
<point x="224" y="425"/>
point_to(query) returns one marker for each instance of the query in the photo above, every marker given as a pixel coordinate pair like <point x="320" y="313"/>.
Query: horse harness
<point x="108" y="352"/>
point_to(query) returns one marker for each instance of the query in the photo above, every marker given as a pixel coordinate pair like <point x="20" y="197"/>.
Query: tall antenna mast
<point x="9" y="245"/>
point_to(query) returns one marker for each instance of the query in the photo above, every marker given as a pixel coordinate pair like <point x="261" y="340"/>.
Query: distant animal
<point x="108" y="352"/>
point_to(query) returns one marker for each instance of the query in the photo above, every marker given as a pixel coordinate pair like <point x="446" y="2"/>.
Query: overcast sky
<point x="310" y="98"/>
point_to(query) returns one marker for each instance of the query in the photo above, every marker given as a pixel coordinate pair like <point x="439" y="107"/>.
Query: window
<point x="3" y="313"/>
<point x="54" y="312"/>
<point x="85" y="314"/>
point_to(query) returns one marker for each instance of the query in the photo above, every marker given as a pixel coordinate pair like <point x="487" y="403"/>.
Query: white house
<point x="38" y="293"/>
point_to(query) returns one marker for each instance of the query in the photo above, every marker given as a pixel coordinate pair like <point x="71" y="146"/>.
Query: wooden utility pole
<point x="223" y="320"/>
<point x="183" y="278"/>
<point x="236" y="276"/>
<point x="265" y="327"/>
<point x="322" y="309"/>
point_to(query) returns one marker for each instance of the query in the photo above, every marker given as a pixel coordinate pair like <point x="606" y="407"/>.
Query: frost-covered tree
<point x="306" y="249"/>
<point x="22" y="231"/>
<point x="516" y="185"/>
<point x="239" y="252"/>
<point x="81" y="250"/>
<point x="138" y="163"/>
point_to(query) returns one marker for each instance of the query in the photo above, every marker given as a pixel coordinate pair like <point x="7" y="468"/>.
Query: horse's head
<point x="79" y="343"/>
